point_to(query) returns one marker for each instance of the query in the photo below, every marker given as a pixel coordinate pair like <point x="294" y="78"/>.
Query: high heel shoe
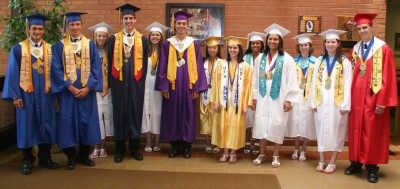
<point x="275" y="162"/>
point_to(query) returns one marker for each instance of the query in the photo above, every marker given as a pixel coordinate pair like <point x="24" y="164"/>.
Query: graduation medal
<point x="209" y="86"/>
<point x="363" y="67"/>
<point x="74" y="46"/>
<point x="328" y="83"/>
<point x="36" y="52"/>
<point x="153" y="72"/>
<point x="130" y="40"/>
<point x="262" y="74"/>
<point x="269" y="75"/>
<point x="127" y="55"/>
<point x="181" y="62"/>
<point x="303" y="83"/>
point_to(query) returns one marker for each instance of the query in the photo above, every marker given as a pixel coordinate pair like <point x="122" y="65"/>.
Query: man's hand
<point x="379" y="110"/>
<point x="344" y="112"/>
<point x="195" y="95"/>
<point x="254" y="106"/>
<point x="18" y="103"/>
<point x="165" y="94"/>
<point x="82" y="93"/>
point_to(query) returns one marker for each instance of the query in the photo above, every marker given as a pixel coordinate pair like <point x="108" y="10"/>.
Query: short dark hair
<point x="208" y="55"/>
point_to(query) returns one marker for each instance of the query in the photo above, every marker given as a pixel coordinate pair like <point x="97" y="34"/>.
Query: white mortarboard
<point x="304" y="38"/>
<point x="101" y="27"/>
<point x="155" y="26"/>
<point x="277" y="29"/>
<point x="256" y="36"/>
<point x="332" y="34"/>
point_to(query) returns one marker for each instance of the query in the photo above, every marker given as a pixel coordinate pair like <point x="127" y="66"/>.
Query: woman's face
<point x="304" y="48"/>
<point x="233" y="50"/>
<point x="255" y="46"/>
<point x="273" y="41"/>
<point x="155" y="37"/>
<point x="101" y="38"/>
<point x="212" y="50"/>
<point x="331" y="45"/>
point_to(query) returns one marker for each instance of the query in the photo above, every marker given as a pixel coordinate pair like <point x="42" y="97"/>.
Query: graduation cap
<point x="332" y="34"/>
<point x="155" y="26"/>
<point x="212" y="40"/>
<point x="101" y="27"/>
<point x="277" y="29"/>
<point x="232" y="40"/>
<point x="179" y="15"/>
<point x="256" y="36"/>
<point x="71" y="17"/>
<point x="36" y="19"/>
<point x="127" y="9"/>
<point x="304" y="38"/>
<point x="364" y="18"/>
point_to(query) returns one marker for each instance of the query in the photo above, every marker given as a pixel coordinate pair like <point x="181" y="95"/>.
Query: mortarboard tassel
<point x="172" y="29"/>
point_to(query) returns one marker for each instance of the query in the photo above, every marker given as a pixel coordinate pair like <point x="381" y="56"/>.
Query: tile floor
<point x="291" y="173"/>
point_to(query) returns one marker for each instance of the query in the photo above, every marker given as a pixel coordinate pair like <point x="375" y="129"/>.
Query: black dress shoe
<point x="48" y="164"/>
<point x="71" y="164"/>
<point x="353" y="169"/>
<point x="118" y="157"/>
<point x="187" y="154"/>
<point x="173" y="153"/>
<point x="87" y="162"/>
<point x="26" y="167"/>
<point x="373" y="177"/>
<point x="137" y="155"/>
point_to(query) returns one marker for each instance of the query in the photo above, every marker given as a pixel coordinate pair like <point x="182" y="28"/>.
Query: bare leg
<point x="275" y="158"/>
<point x="147" y="148"/>
<point x="295" y="154"/>
<point x="332" y="163"/>
<point x="248" y="141"/>
<point x="321" y="164"/>
<point x="233" y="158"/>
<point x="157" y="146"/>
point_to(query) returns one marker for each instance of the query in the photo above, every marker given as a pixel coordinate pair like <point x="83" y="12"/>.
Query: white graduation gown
<point x="331" y="126"/>
<point x="270" y="120"/>
<point x="152" y="104"/>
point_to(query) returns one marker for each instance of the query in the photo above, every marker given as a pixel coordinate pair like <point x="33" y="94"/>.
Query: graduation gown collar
<point x="180" y="46"/>
<point x="376" y="46"/>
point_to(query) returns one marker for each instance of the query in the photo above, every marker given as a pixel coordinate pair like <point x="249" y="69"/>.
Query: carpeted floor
<point x="110" y="178"/>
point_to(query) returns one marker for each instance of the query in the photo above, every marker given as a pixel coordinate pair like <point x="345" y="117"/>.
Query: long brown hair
<point x="159" y="44"/>
<point x="339" y="52"/>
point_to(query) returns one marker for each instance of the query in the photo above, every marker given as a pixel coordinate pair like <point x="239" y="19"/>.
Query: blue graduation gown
<point x="79" y="123"/>
<point x="36" y="121"/>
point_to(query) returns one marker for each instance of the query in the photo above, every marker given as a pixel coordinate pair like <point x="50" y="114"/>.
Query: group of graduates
<point x="261" y="93"/>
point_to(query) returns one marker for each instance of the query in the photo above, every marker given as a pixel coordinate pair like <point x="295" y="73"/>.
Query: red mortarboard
<point x="364" y="18"/>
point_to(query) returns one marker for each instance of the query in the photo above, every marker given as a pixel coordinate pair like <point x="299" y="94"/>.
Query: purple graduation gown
<point x="36" y="121"/>
<point x="178" y="115"/>
<point x="79" y="121"/>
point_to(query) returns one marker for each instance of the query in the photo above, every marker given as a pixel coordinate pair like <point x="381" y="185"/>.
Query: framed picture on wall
<point x="208" y="19"/>
<point x="397" y="41"/>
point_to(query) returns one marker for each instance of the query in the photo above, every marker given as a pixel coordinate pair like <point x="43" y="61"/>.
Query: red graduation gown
<point x="369" y="133"/>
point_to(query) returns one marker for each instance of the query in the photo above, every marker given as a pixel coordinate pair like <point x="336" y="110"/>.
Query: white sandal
<point x="224" y="158"/>
<point x="275" y="162"/>
<point x="148" y="149"/>
<point x="208" y="150"/>
<point x="302" y="156"/>
<point x="259" y="160"/>
<point x="215" y="150"/>
<point x="320" y="167"/>
<point x="330" y="169"/>
<point x="295" y="154"/>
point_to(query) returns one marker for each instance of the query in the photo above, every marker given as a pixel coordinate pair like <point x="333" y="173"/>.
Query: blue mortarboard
<point x="36" y="19"/>
<point x="182" y="15"/>
<point x="127" y="9"/>
<point x="73" y="16"/>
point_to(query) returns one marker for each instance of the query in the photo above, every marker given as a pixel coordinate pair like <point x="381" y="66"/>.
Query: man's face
<point x="36" y="32"/>
<point x="75" y="28"/>
<point x="129" y="21"/>
<point x="365" y="31"/>
<point x="181" y="26"/>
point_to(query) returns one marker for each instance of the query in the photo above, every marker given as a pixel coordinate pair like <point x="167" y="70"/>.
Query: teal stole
<point x="276" y="81"/>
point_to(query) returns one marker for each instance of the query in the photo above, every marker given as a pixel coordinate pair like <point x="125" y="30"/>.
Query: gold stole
<point x="26" y="82"/>
<point x="105" y="75"/>
<point x="376" y="79"/>
<point x="154" y="59"/>
<point x="310" y="73"/>
<point x="138" y="53"/>
<point x="338" y="85"/>
<point x="172" y="65"/>
<point x="71" y="61"/>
